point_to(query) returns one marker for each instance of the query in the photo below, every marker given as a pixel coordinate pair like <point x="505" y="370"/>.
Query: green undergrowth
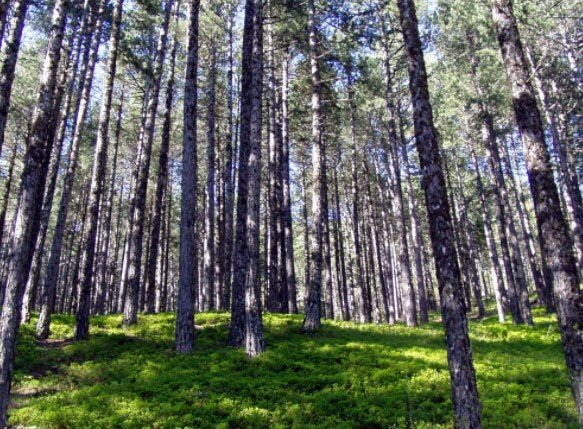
<point x="345" y="376"/>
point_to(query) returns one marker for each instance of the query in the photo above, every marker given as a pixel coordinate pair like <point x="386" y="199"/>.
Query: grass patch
<point x="346" y="376"/>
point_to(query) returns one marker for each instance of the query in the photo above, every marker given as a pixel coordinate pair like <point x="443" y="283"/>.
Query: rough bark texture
<point x="208" y="283"/>
<point x="246" y="320"/>
<point x="28" y="211"/>
<point x="286" y="202"/>
<point x="97" y="182"/>
<point x="161" y="185"/>
<point x="416" y="237"/>
<point x="557" y="246"/>
<point x="228" y="179"/>
<point x="9" y="62"/>
<point x="89" y="58"/>
<point x="139" y="213"/>
<point x="463" y="379"/>
<point x="254" y="341"/>
<point x="496" y="270"/>
<point x="187" y="277"/>
<point x="312" y="320"/>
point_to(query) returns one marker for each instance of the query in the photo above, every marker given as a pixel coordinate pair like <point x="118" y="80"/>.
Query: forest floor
<point x="346" y="376"/>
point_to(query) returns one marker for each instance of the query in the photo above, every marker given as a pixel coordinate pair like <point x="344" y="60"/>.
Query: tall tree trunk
<point x="4" y="210"/>
<point x="4" y="9"/>
<point x="387" y="254"/>
<point x="416" y="237"/>
<point x="273" y="212"/>
<point x="339" y="253"/>
<point x="286" y="202"/>
<point x="461" y="250"/>
<point x="307" y="265"/>
<point x="489" y="140"/>
<point x="496" y="270"/>
<point x="228" y="175"/>
<point x="102" y="288"/>
<point x="97" y="178"/>
<point x="89" y="58"/>
<point x="327" y="258"/>
<point x="161" y="184"/>
<point x="557" y="246"/>
<point x="56" y="124"/>
<point x="188" y="276"/>
<point x="392" y="164"/>
<point x="246" y="319"/>
<point x="312" y="320"/>
<point x="543" y="286"/>
<point x="208" y="283"/>
<point x="470" y="245"/>
<point x="27" y="215"/>
<point x="525" y="226"/>
<point x="463" y="379"/>
<point x="355" y="200"/>
<point x="6" y="196"/>
<point x="254" y="341"/>
<point x="569" y="182"/>
<point x="20" y="8"/>
<point x="139" y="210"/>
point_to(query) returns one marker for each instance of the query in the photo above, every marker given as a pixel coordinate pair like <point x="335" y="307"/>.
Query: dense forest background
<point x="365" y="161"/>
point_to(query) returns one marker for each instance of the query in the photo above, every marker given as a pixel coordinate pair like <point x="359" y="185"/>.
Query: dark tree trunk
<point x="90" y="48"/>
<point x="188" y="276"/>
<point x="470" y="245"/>
<point x="246" y="319"/>
<point x="20" y="7"/>
<point x="273" y="282"/>
<point x="161" y="185"/>
<point x="228" y="178"/>
<point x="97" y="179"/>
<point x="312" y="319"/>
<point x="496" y="270"/>
<point x="355" y="202"/>
<point x="463" y="379"/>
<point x="339" y="254"/>
<point x="387" y="254"/>
<point x="286" y="202"/>
<point x="415" y="236"/>
<point x="208" y="282"/>
<point x="103" y="292"/>
<point x="557" y="245"/>
<point x="327" y="258"/>
<point x="391" y="159"/>
<point x="6" y="197"/>
<point x="28" y="211"/>
<point x="140" y="198"/>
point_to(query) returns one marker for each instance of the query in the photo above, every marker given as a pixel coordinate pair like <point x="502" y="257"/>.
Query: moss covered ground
<point x="346" y="376"/>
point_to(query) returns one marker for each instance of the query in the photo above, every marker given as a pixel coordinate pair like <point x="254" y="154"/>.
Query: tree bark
<point x="97" y="179"/>
<point x="355" y="191"/>
<point x="90" y="48"/>
<point x="312" y="319"/>
<point x="188" y="276"/>
<point x="20" y="8"/>
<point x="103" y="292"/>
<point x="496" y="270"/>
<point x="208" y="283"/>
<point x="339" y="253"/>
<point x="27" y="215"/>
<point x="286" y="203"/>
<point x="161" y="185"/>
<point x="246" y="319"/>
<point x="463" y="379"/>
<point x="140" y="198"/>
<point x="557" y="246"/>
